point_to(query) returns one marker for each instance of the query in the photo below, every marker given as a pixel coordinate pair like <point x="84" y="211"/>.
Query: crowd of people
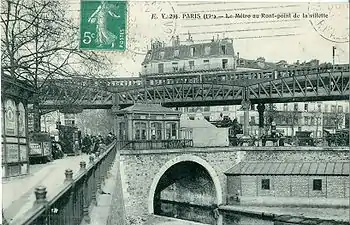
<point x="91" y="144"/>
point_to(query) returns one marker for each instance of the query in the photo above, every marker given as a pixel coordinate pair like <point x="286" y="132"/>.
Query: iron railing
<point x="157" y="144"/>
<point x="70" y="205"/>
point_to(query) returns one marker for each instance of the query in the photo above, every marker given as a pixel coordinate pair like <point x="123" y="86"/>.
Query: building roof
<point x="256" y="64"/>
<point x="150" y="108"/>
<point x="196" y="124"/>
<point x="185" y="51"/>
<point x="290" y="168"/>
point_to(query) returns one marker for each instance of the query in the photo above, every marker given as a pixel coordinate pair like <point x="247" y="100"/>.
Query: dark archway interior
<point x="186" y="191"/>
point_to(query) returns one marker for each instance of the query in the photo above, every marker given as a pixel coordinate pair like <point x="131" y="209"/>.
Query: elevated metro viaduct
<point x="145" y="174"/>
<point x="201" y="88"/>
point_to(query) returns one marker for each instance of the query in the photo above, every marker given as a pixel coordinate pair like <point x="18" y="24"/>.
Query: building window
<point x="207" y="50"/>
<point x="296" y="107"/>
<point x="224" y="63"/>
<point x="161" y="55"/>
<point x="140" y="131"/>
<point x="175" y="66"/>
<point x="252" y="120"/>
<point x="326" y="108"/>
<point x="156" y="131"/>
<point x="306" y="107"/>
<point x="265" y="184"/>
<point x="223" y="49"/>
<point x="191" y="65"/>
<point x="340" y="109"/>
<point x="206" y="63"/>
<point x="206" y="109"/>
<point x="171" y="131"/>
<point x="285" y="107"/>
<point x="192" y="51"/>
<point x="333" y="108"/>
<point x="312" y="121"/>
<point x="319" y="107"/>
<point x="306" y="120"/>
<point x="176" y="53"/>
<point x="160" y="68"/>
<point x="317" y="185"/>
<point x="226" y="108"/>
<point x="318" y="121"/>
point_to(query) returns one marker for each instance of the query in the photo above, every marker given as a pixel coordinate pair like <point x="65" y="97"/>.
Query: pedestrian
<point x="87" y="142"/>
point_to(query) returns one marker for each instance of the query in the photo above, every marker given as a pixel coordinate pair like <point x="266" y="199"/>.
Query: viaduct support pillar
<point x="245" y="106"/>
<point x="115" y="109"/>
<point x="261" y="110"/>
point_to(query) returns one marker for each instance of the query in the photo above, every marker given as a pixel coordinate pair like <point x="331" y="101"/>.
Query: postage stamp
<point x="103" y="25"/>
<point x="331" y="27"/>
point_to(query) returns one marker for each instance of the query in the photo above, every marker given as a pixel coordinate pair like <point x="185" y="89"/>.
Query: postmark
<point x="335" y="27"/>
<point x="103" y="25"/>
<point x="142" y="29"/>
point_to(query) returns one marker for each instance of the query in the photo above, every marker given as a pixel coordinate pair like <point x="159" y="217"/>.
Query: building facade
<point x="188" y="56"/>
<point x="289" y="117"/>
<point x="14" y="126"/>
<point x="146" y="122"/>
<point x="288" y="180"/>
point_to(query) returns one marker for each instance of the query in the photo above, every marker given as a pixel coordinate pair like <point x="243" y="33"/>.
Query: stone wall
<point x="193" y="190"/>
<point x="286" y="187"/>
<point x="315" y="154"/>
<point x="141" y="169"/>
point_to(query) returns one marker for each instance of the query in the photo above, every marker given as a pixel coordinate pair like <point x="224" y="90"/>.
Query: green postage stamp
<point x="103" y="25"/>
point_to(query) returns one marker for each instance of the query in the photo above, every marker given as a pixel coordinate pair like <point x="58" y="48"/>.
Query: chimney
<point x="172" y="41"/>
<point x="177" y="43"/>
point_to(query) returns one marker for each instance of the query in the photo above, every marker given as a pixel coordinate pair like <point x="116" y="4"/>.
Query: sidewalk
<point x="18" y="193"/>
<point x="111" y="201"/>
<point x="320" y="213"/>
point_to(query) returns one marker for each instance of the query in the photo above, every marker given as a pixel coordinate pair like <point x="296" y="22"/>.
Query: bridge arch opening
<point x="185" y="173"/>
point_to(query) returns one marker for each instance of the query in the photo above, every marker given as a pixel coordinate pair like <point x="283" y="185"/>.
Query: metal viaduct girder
<point x="182" y="91"/>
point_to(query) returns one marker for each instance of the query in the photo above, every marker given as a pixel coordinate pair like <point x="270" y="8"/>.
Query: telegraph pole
<point x="333" y="50"/>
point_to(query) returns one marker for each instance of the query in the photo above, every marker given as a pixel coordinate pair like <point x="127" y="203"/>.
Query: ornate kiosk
<point x="14" y="126"/>
<point x="148" y="125"/>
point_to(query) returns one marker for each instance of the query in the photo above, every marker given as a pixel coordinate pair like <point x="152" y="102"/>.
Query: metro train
<point x="218" y="75"/>
<point x="223" y="76"/>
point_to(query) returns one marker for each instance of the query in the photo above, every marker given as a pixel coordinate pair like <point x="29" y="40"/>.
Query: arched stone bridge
<point x="147" y="174"/>
<point x="202" y="88"/>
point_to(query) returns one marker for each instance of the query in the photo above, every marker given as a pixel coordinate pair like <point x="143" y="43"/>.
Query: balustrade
<point x="71" y="204"/>
<point x="158" y="144"/>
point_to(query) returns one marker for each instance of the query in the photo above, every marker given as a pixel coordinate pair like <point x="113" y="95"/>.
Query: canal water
<point x="205" y="214"/>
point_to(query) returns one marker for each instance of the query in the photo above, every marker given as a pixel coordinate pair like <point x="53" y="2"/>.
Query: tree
<point x="270" y="114"/>
<point x="295" y="117"/>
<point x="335" y="120"/>
<point x="39" y="42"/>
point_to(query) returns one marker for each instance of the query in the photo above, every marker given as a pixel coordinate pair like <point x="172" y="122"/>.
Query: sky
<point x="289" y="37"/>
